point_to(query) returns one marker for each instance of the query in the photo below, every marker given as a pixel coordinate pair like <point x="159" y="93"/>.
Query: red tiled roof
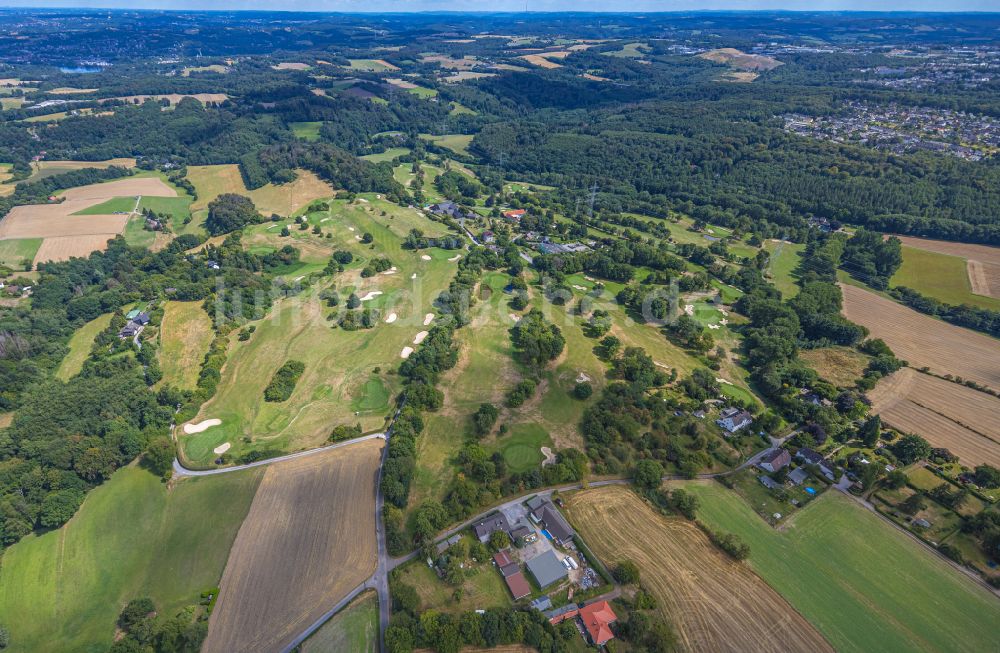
<point x="597" y="618"/>
<point x="518" y="585"/>
<point x="514" y="213"/>
<point x="502" y="558"/>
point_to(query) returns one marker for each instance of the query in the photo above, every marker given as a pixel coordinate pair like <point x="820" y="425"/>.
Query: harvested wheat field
<point x="740" y="60"/>
<point x="308" y="539"/>
<point x="174" y="98"/>
<point x="544" y="59"/>
<point x="715" y="604"/>
<point x="983" y="261"/>
<point x="984" y="278"/>
<point x="924" y="341"/>
<point x="285" y="199"/>
<point x="63" y="248"/>
<point x="946" y="414"/>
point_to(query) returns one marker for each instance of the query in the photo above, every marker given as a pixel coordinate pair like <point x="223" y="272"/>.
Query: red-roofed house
<point x="518" y="585"/>
<point x="514" y="214"/>
<point x="597" y="619"/>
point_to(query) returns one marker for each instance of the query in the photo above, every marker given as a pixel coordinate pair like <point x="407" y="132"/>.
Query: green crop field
<point x="355" y="628"/>
<point x="79" y="346"/>
<point x="13" y="253"/>
<point x="308" y="131"/>
<point x="940" y="276"/>
<point x="388" y="155"/>
<point x="185" y="335"/>
<point x="63" y="590"/>
<point x="340" y="384"/>
<point x="862" y="583"/>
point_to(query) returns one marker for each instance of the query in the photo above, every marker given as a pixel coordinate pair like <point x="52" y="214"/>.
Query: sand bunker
<point x="689" y="309"/>
<point x="419" y="337"/>
<point x="391" y="270"/>
<point x="406" y="352"/>
<point x="516" y="318"/>
<point x="350" y="228"/>
<point x="201" y="426"/>
<point x="222" y="448"/>
<point x="357" y="238"/>
<point x="714" y="326"/>
<point x="425" y="257"/>
<point x="721" y="380"/>
<point x="391" y="318"/>
<point x="371" y="295"/>
<point x="413" y="276"/>
<point x="428" y="318"/>
<point x="579" y="287"/>
<point x="455" y="258"/>
<point x="549" y="456"/>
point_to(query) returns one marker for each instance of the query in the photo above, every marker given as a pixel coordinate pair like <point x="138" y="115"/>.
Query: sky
<point x="519" y="5"/>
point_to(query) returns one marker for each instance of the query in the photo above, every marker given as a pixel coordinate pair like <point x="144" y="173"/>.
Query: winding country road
<point x="379" y="581"/>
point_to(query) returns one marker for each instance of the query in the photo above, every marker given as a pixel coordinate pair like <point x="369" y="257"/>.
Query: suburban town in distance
<point x="527" y="329"/>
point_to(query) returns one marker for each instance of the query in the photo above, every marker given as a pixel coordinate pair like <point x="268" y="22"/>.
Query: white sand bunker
<point x="419" y="338"/>
<point x="391" y="318"/>
<point x="549" y="456"/>
<point x="582" y="378"/>
<point x="455" y="258"/>
<point x="413" y="276"/>
<point x="722" y="380"/>
<point x="714" y="326"/>
<point x="587" y="278"/>
<point x="516" y="318"/>
<point x="325" y="219"/>
<point x="689" y="309"/>
<point x="371" y="295"/>
<point x="300" y="278"/>
<point x="406" y="352"/>
<point x="222" y="448"/>
<point x="391" y="270"/>
<point x="579" y="287"/>
<point x="201" y="426"/>
<point x="357" y="238"/>
<point x="723" y="321"/>
<point x="428" y="318"/>
<point x="361" y="199"/>
<point x="424" y="257"/>
<point x="350" y="228"/>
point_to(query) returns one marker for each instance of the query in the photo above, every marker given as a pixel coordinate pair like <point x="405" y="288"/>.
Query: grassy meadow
<point x="185" y="335"/>
<point x="79" y="346"/>
<point x="14" y="252"/>
<point x="63" y="590"/>
<point x="355" y="628"/>
<point x="943" y="277"/>
<point x="862" y="583"/>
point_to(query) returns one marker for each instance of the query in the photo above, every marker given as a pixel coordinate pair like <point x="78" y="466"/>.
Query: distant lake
<point x="80" y="70"/>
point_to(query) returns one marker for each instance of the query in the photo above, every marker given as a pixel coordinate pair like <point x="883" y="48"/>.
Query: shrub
<point x="583" y="390"/>
<point x="283" y="382"/>
<point x="520" y="393"/>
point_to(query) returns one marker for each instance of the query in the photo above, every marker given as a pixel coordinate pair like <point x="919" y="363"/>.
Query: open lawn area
<point x="79" y="346"/>
<point x="355" y="628"/>
<point x="483" y="588"/>
<point x="521" y="446"/>
<point x="185" y="335"/>
<point x="371" y="65"/>
<point x="864" y="585"/>
<point x="941" y="276"/>
<point x="388" y="155"/>
<point x="841" y="366"/>
<point x="63" y="590"/>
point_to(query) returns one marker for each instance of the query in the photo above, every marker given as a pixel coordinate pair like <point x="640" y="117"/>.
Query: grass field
<point x="388" y="155"/>
<point x="339" y="385"/>
<point x="79" y="346"/>
<point x="285" y="199"/>
<point x="864" y="585"/>
<point x="308" y="131"/>
<point x="924" y="341"/>
<point x="941" y="276"/>
<point x="841" y="366"/>
<point x="13" y="253"/>
<point x="629" y="51"/>
<point x="521" y="446"/>
<point x="715" y="604"/>
<point x="483" y="588"/>
<point x="42" y="169"/>
<point x="185" y="335"/>
<point x="785" y="258"/>
<point x="308" y="540"/>
<point x="458" y="143"/>
<point x="371" y="65"/>
<point x="355" y="628"/>
<point x="63" y="590"/>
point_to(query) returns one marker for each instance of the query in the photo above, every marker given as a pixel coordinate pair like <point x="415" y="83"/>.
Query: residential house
<point x="768" y="482"/>
<point x="798" y="476"/>
<point x="810" y="457"/>
<point x="142" y="319"/>
<point x="775" y="459"/>
<point x="488" y="525"/>
<point x="447" y="208"/>
<point x="507" y="565"/>
<point x="525" y="533"/>
<point x="560" y="615"/>
<point x="734" y="419"/>
<point x="547" y="569"/>
<point x="597" y="619"/>
<point x="130" y="330"/>
<point x="444" y="545"/>
<point x="514" y="214"/>
<point x="542" y="603"/>
<point x="546" y="514"/>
